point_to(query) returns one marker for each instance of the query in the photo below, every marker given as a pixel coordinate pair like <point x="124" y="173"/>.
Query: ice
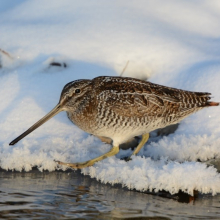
<point x="175" y="44"/>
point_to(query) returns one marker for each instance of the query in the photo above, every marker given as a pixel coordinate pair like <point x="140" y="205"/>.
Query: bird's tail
<point x="202" y="99"/>
<point x="212" y="103"/>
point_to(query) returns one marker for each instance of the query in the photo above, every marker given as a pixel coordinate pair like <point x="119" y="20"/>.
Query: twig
<point x="124" y="68"/>
<point x="6" y="53"/>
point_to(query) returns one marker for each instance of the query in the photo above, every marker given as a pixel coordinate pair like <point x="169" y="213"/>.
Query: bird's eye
<point x="77" y="91"/>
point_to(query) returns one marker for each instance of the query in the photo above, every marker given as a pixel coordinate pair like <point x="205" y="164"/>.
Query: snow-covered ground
<point x="174" y="43"/>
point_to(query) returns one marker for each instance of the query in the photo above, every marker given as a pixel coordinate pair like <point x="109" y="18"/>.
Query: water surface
<point x="63" y="195"/>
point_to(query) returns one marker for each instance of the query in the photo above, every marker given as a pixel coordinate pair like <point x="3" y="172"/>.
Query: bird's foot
<point x="73" y="165"/>
<point x="89" y="163"/>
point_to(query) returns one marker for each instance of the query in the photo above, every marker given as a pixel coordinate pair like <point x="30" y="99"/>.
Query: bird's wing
<point x="135" y="103"/>
<point x="129" y="96"/>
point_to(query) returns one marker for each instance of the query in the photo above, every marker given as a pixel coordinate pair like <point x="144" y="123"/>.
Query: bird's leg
<point x="144" y="139"/>
<point x="113" y="151"/>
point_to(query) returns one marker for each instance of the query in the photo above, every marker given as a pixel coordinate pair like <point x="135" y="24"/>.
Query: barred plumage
<point x="120" y="108"/>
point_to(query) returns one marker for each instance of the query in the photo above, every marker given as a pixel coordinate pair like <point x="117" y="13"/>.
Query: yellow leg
<point x="113" y="151"/>
<point x="144" y="139"/>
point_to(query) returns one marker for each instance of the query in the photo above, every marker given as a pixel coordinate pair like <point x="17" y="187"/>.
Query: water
<point x="69" y="195"/>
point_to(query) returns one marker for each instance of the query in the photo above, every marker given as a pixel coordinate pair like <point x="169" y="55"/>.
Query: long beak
<point x="52" y="113"/>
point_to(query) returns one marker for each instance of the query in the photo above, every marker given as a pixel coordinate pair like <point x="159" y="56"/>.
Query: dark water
<point x="69" y="195"/>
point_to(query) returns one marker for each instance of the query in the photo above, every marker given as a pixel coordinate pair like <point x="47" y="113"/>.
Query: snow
<point x="174" y="43"/>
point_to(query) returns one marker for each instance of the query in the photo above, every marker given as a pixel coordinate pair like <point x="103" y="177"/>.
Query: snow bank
<point x="174" y="44"/>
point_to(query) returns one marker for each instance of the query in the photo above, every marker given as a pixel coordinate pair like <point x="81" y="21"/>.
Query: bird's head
<point x="71" y="97"/>
<point x="72" y="93"/>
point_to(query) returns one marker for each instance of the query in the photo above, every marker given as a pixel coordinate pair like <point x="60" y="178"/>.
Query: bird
<point x="120" y="108"/>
